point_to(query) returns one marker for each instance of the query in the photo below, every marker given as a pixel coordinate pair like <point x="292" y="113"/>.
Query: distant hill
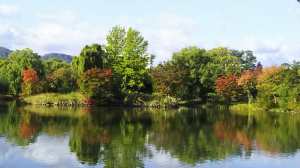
<point x="4" y="52"/>
<point x="67" y="58"/>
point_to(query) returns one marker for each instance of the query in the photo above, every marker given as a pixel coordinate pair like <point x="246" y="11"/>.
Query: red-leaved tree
<point x="95" y="83"/>
<point x="227" y="86"/>
<point x="30" y="83"/>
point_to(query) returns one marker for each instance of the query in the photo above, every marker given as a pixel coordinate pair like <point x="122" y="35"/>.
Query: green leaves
<point x="126" y="55"/>
<point x="89" y="57"/>
<point x="20" y="60"/>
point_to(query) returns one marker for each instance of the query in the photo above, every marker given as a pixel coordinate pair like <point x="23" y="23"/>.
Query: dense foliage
<point x="227" y="86"/>
<point x="30" y="84"/>
<point x="96" y="83"/>
<point x="89" y="57"/>
<point x="122" y="72"/>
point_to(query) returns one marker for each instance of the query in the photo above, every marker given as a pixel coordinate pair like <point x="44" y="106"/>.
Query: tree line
<point x="122" y="71"/>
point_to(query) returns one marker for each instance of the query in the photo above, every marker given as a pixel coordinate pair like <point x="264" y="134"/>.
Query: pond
<point x="35" y="136"/>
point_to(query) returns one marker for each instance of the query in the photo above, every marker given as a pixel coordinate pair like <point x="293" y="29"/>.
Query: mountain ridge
<point x="4" y="52"/>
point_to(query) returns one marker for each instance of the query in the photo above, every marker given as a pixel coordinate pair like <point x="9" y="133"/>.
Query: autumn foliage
<point x="27" y="131"/>
<point x="168" y="80"/>
<point x="247" y="81"/>
<point x="232" y="136"/>
<point x="258" y="70"/>
<point x="95" y="82"/>
<point x="89" y="101"/>
<point x="30" y="82"/>
<point x="227" y="86"/>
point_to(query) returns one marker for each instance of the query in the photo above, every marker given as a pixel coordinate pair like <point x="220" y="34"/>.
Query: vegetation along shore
<point x="122" y="73"/>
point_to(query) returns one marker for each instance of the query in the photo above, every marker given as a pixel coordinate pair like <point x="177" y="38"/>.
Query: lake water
<point x="35" y="136"/>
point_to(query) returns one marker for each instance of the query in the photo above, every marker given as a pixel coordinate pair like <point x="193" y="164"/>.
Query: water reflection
<point x="127" y="137"/>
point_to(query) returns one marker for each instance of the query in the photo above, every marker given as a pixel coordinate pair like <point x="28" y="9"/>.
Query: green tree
<point x="126" y="55"/>
<point x="4" y="62"/>
<point x="191" y="60"/>
<point x="202" y="71"/>
<point x="224" y="58"/>
<point x="62" y="80"/>
<point x="54" y="64"/>
<point x="20" y="60"/>
<point x="89" y="57"/>
<point x="4" y="85"/>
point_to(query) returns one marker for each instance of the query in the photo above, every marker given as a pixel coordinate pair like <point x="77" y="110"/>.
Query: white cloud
<point x="10" y="11"/>
<point x="61" y="33"/>
<point x="64" y="39"/>
<point x="173" y="33"/>
<point x="40" y="153"/>
<point x="273" y="51"/>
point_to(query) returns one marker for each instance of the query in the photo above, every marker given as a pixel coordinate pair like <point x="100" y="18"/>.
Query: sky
<point x="269" y="28"/>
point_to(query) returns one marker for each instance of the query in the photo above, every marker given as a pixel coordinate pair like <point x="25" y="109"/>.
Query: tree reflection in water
<point x="125" y="137"/>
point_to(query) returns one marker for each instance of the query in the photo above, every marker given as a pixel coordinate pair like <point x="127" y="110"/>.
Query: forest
<point x="122" y="73"/>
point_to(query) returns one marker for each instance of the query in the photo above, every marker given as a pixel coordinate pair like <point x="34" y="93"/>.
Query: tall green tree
<point x="126" y="55"/>
<point x="89" y="57"/>
<point x="201" y="71"/>
<point x="20" y="60"/>
<point x="223" y="57"/>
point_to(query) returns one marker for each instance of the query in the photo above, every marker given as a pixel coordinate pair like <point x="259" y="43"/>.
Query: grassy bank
<point x="244" y="106"/>
<point x="254" y="106"/>
<point x="54" y="98"/>
<point x="133" y="100"/>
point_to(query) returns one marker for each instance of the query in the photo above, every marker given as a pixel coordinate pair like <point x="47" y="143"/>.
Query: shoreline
<point x="82" y="104"/>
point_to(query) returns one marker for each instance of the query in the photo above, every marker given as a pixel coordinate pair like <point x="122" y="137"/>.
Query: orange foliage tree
<point x="30" y="82"/>
<point x="247" y="81"/>
<point x="95" y="83"/>
<point x="227" y="86"/>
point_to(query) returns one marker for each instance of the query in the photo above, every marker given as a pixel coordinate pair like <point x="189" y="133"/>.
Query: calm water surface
<point x="34" y="136"/>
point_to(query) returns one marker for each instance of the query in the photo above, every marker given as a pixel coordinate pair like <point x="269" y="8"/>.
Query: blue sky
<point x="270" y="28"/>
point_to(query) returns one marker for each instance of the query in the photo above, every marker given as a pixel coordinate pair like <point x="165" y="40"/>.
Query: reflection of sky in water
<point x="54" y="152"/>
<point x="46" y="152"/>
